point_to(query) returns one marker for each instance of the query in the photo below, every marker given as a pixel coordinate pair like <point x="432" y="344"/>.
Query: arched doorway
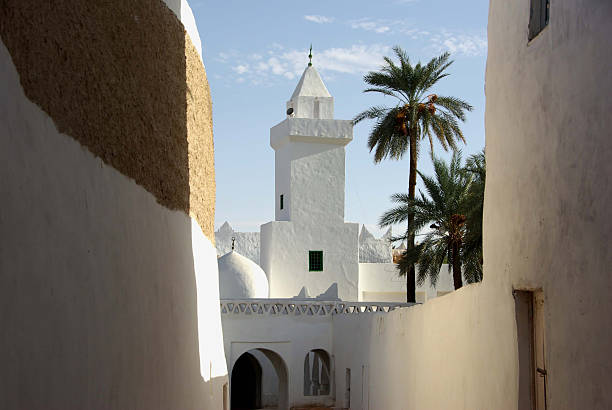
<point x="246" y="383"/>
<point x="317" y="373"/>
<point x="259" y="380"/>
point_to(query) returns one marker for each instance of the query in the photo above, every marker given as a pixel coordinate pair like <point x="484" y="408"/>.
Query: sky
<point x="256" y="51"/>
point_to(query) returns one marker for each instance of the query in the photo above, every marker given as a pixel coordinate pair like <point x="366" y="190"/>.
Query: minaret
<point x="309" y="244"/>
<point x="310" y="154"/>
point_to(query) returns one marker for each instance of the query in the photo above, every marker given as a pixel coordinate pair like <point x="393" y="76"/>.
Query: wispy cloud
<point x="241" y="68"/>
<point x="318" y="19"/>
<point x="460" y="43"/>
<point x="279" y="62"/>
<point x="456" y="42"/>
<point x="377" y="26"/>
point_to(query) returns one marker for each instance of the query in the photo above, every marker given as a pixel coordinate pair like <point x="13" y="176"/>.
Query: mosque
<point x="307" y="272"/>
<point x="109" y="267"/>
<point x="309" y="247"/>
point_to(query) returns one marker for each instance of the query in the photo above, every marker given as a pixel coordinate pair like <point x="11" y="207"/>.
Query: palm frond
<point x="370" y="113"/>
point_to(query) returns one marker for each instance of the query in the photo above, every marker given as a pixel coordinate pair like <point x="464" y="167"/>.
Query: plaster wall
<point x="312" y="107"/>
<point x="291" y="337"/>
<point x="282" y="183"/>
<point x="246" y="243"/>
<point x="381" y="282"/>
<point x="310" y="167"/>
<point x="109" y="297"/>
<point x="310" y="99"/>
<point x="317" y="183"/>
<point x="453" y="352"/>
<point x="546" y="226"/>
<point x="284" y="257"/>
<point x="310" y="174"/>
<point x="372" y="250"/>
<point x="546" y="221"/>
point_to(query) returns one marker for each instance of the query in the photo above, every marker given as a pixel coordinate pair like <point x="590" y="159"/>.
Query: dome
<point x="241" y="278"/>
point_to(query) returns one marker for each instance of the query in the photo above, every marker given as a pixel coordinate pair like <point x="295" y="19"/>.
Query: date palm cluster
<point x="449" y="215"/>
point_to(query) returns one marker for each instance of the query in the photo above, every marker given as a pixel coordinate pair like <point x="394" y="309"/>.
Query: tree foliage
<point x="450" y="214"/>
<point x="417" y="111"/>
<point x="418" y="114"/>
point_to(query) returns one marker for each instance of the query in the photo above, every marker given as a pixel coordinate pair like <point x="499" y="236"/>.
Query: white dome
<point x="241" y="278"/>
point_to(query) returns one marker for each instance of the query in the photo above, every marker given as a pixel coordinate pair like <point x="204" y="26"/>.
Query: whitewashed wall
<point x="546" y="226"/>
<point x="289" y="336"/>
<point x="246" y="243"/>
<point x="284" y="258"/>
<point x="109" y="299"/>
<point x="310" y="173"/>
<point x="381" y="282"/>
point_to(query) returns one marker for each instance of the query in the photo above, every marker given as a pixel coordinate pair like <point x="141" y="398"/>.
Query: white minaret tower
<point x="309" y="244"/>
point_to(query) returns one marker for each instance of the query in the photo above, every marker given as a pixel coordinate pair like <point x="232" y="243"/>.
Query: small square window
<point x="538" y="17"/>
<point x="315" y="261"/>
<point x="282" y="204"/>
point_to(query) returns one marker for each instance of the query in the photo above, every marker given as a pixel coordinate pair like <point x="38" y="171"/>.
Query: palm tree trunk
<point x="411" y="277"/>
<point x="456" y="266"/>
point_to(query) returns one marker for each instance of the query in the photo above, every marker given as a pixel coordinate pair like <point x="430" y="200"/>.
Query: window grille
<point x="315" y="261"/>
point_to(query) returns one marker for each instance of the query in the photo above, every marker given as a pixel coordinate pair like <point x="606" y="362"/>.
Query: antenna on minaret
<point x="310" y="57"/>
<point x="233" y="241"/>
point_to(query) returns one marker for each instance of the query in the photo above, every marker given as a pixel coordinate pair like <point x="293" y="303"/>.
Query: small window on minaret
<point x="538" y="17"/>
<point x="316" y="109"/>
<point x="315" y="261"/>
<point x="282" y="202"/>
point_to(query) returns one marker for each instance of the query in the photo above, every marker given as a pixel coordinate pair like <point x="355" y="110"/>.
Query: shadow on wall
<point x="98" y="286"/>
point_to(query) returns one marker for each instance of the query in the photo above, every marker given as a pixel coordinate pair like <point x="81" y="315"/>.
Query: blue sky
<point x="256" y="51"/>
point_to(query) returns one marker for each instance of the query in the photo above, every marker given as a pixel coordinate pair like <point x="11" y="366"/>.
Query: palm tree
<point x="444" y="210"/>
<point x="476" y="167"/>
<point x="417" y="115"/>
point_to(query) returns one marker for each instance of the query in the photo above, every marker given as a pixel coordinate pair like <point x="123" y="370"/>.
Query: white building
<point x="309" y="244"/>
<point x="280" y="348"/>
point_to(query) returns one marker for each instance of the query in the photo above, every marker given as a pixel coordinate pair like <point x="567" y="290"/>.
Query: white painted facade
<point x="287" y="330"/>
<point x="309" y="174"/>
<point x="279" y="333"/>
<point x="309" y="212"/>
<point x="546" y="229"/>
<point x="380" y="282"/>
<point x="245" y="243"/>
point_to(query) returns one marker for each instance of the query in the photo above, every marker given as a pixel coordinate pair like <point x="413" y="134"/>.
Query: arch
<point x="240" y="387"/>
<point x="246" y="379"/>
<point x="317" y="373"/>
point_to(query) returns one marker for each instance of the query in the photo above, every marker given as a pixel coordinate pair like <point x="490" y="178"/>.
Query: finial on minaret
<point x="310" y="57"/>
<point x="233" y="241"/>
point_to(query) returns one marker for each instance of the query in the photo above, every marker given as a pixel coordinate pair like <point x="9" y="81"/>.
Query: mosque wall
<point x="245" y="243"/>
<point x="380" y="282"/>
<point x="108" y="271"/>
<point x="290" y="337"/>
<point x="317" y="182"/>
<point x="284" y="257"/>
<point x="546" y="229"/>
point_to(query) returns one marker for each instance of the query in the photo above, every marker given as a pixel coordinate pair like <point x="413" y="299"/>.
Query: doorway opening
<point x="259" y="381"/>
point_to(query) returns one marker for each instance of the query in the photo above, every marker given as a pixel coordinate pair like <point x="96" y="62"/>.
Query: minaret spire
<point x="310" y="57"/>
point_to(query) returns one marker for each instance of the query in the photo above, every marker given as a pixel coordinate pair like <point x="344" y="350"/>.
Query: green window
<point x="281" y="201"/>
<point x="315" y="261"/>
